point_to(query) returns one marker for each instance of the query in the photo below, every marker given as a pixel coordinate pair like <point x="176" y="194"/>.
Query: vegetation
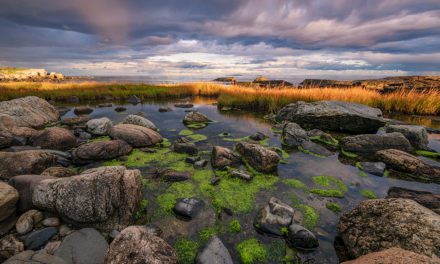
<point x="310" y="215"/>
<point x="428" y="154"/>
<point x="297" y="184"/>
<point x="234" y="226"/>
<point x="368" y="194"/>
<point x="332" y="206"/>
<point x="331" y="187"/>
<point x="186" y="250"/>
<point x="252" y="251"/>
<point x="348" y="154"/>
<point x="332" y="142"/>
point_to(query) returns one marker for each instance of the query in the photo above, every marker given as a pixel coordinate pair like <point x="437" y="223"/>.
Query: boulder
<point x="214" y="252"/>
<point x="27" y="221"/>
<point x="273" y="217"/>
<point x="195" y="117"/>
<point x="379" y="224"/>
<point x="293" y="135"/>
<point x="106" y="197"/>
<point x="82" y="110"/>
<point x="39" y="238"/>
<point x="139" y="121"/>
<point x="22" y="135"/>
<point x="58" y="172"/>
<point x="223" y="157"/>
<point x="405" y="162"/>
<point x="6" y="139"/>
<point x="25" y="162"/>
<point x="136" y="245"/>
<point x="25" y="185"/>
<point x="371" y="143"/>
<point x="188" y="208"/>
<point x="29" y="111"/>
<point x="34" y="257"/>
<point x="375" y="168"/>
<point x="85" y="246"/>
<point x="188" y="148"/>
<point x="8" y="200"/>
<point x="427" y="199"/>
<point x="416" y="135"/>
<point x="101" y="150"/>
<point x="99" y="126"/>
<point x="54" y="138"/>
<point x="10" y="246"/>
<point x="393" y="255"/>
<point x="301" y="238"/>
<point x="262" y="159"/>
<point x="136" y="136"/>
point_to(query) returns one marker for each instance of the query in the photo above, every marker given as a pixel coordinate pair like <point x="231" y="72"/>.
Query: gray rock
<point x="99" y="127"/>
<point x="188" y="208"/>
<point x="184" y="105"/>
<point x="51" y="222"/>
<point x="188" y="148"/>
<point x="101" y="150"/>
<point x="34" y="257"/>
<point x="82" y="110"/>
<point x="200" y="164"/>
<point x="241" y="174"/>
<point x="375" y="168"/>
<point x="27" y="221"/>
<point x="371" y="143"/>
<point x="262" y="159"/>
<point x="38" y="239"/>
<point x="195" y="117"/>
<point x="273" y="217"/>
<point x="214" y="252"/>
<point x="315" y="149"/>
<point x="417" y="135"/>
<point x="334" y="116"/>
<point x="54" y="138"/>
<point x="293" y="135"/>
<point x="136" y="136"/>
<point x="192" y="160"/>
<point x="25" y="162"/>
<point x="10" y="246"/>
<point x="139" y="121"/>
<point x="223" y="157"/>
<point x="301" y="238"/>
<point x="85" y="246"/>
<point x="258" y="136"/>
<point x="8" y="200"/>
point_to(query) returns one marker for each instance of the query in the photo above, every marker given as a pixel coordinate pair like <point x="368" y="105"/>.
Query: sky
<point x="212" y="38"/>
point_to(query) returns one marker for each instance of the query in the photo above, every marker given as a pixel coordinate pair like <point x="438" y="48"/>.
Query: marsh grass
<point x="245" y="98"/>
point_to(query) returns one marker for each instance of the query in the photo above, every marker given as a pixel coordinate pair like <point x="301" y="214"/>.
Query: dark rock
<point x="25" y="162"/>
<point x="241" y="174"/>
<point x="38" y="239"/>
<point x="165" y="109"/>
<point x="195" y="117"/>
<point x="7" y="224"/>
<point x="8" y="200"/>
<point x="427" y="199"/>
<point x="105" y="105"/>
<point x="133" y="99"/>
<point x="258" y="136"/>
<point x="192" y="160"/>
<point x="223" y="157"/>
<point x="34" y="257"/>
<point x="188" y="208"/>
<point x="371" y="143"/>
<point x="200" y="164"/>
<point x="175" y="176"/>
<point x="416" y="135"/>
<point x="215" y="180"/>
<point x="315" y="149"/>
<point x="375" y="168"/>
<point x="214" y="252"/>
<point x="120" y="109"/>
<point x="273" y="217"/>
<point x="27" y="221"/>
<point x="75" y="121"/>
<point x="82" y="110"/>
<point x="99" y="126"/>
<point x="301" y="238"/>
<point x="5" y="139"/>
<point x="101" y="150"/>
<point x="55" y="138"/>
<point x="188" y="148"/>
<point x="293" y="135"/>
<point x="262" y="159"/>
<point x="136" y="136"/>
<point x="184" y="105"/>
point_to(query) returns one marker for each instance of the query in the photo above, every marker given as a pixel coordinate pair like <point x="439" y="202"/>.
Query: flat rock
<point x="416" y="135"/>
<point x="8" y="200"/>
<point x="136" y="136"/>
<point x="371" y="143"/>
<point x="25" y="162"/>
<point x="188" y="208"/>
<point x="223" y="157"/>
<point x="34" y="257"/>
<point x="101" y="150"/>
<point x="38" y="239"/>
<point x="139" y="121"/>
<point x="214" y="252"/>
<point x="427" y="199"/>
<point x="315" y="149"/>
<point x="188" y="148"/>
<point x="54" y="138"/>
<point x="262" y="159"/>
<point x="99" y="126"/>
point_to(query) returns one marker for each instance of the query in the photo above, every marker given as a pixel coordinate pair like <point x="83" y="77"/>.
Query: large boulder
<point x="136" y="136"/>
<point x="8" y="200"/>
<point x="223" y="157"/>
<point x="393" y="255"/>
<point x="135" y="244"/>
<point x="405" y="162"/>
<point x="105" y="197"/>
<point x="417" y="135"/>
<point x="25" y="162"/>
<point x="34" y="257"/>
<point x="139" y="121"/>
<point x="427" y="199"/>
<point x="293" y="135"/>
<point x="99" y="126"/>
<point x="195" y="117"/>
<point x="85" y="246"/>
<point x="54" y="138"/>
<point x="214" y="252"/>
<point x="101" y="150"/>
<point x="370" y="143"/>
<point x="29" y="111"/>
<point x="262" y="159"/>
<point x="380" y="224"/>
<point x="333" y="115"/>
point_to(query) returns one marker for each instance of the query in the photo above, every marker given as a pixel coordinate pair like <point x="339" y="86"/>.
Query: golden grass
<point x="247" y="98"/>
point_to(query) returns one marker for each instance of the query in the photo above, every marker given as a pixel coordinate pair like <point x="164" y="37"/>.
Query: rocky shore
<point x="33" y="75"/>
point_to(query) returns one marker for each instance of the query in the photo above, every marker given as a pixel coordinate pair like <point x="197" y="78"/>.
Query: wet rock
<point x="101" y="150"/>
<point x="241" y="175"/>
<point x="34" y="257"/>
<point x="120" y="109"/>
<point x="58" y="172"/>
<point x="27" y="221"/>
<point x="191" y="160"/>
<point x="416" y="135"/>
<point x="51" y="222"/>
<point x="99" y="126"/>
<point x="375" y="168"/>
<point x="315" y="149"/>
<point x="200" y="164"/>
<point x="133" y="99"/>
<point x="223" y="157"/>
<point x="165" y="109"/>
<point x="25" y="162"/>
<point x="10" y="246"/>
<point x="427" y="199"/>
<point x="139" y="121"/>
<point x="273" y="217"/>
<point x="293" y="135"/>
<point x="301" y="238"/>
<point x="393" y="255"/>
<point x="136" y="245"/>
<point x="8" y="200"/>
<point x="188" y="148"/>
<point x="214" y="252"/>
<point x="63" y="158"/>
<point x="75" y="121"/>
<point x="405" y="162"/>
<point x="188" y="208"/>
<point x="175" y="176"/>
<point x="136" y="136"/>
<point x="8" y="224"/>
<point x="25" y="185"/>
<point x="371" y="143"/>
<point x="195" y="117"/>
<point x="320" y="134"/>
<point x="85" y="246"/>
<point x="379" y="224"/>
<point x="55" y="138"/>
<point x="38" y="239"/>
<point x="29" y="111"/>
<point x="258" y="136"/>
<point x="109" y="196"/>
<point x="262" y="159"/>
<point x="333" y="116"/>
<point x="184" y="105"/>
<point x="82" y="110"/>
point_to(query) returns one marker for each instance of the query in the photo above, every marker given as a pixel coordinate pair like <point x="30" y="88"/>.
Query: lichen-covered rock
<point x="58" y="172"/>
<point x="29" y="111"/>
<point x="223" y="157"/>
<point x="10" y="246"/>
<point x="34" y="257"/>
<point x="101" y="150"/>
<point x="136" y="136"/>
<point x="417" y="135"/>
<point x="393" y="255"/>
<point x="54" y="138"/>
<point x="371" y="143"/>
<point x="25" y="162"/>
<point x="334" y="116"/>
<point x="139" y="121"/>
<point x="293" y="135"/>
<point x="8" y="200"/>
<point x="99" y="126"/>
<point x="136" y="245"/>
<point x="105" y="197"/>
<point x="380" y="224"/>
<point x="195" y="117"/>
<point x="262" y="159"/>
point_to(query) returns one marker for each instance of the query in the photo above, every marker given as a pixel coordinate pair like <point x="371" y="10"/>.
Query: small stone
<point x="192" y="160"/>
<point x="188" y="148"/>
<point x="215" y="180"/>
<point x="165" y="109"/>
<point x="105" y="105"/>
<point x="65" y="230"/>
<point x="120" y="109"/>
<point x="99" y="126"/>
<point x="200" y="164"/>
<point x="51" y="247"/>
<point x="188" y="208"/>
<point x="114" y="233"/>
<point x="184" y="105"/>
<point x="82" y="110"/>
<point x="214" y="252"/>
<point x="52" y="221"/>
<point x="258" y="136"/>
<point x="27" y="221"/>
<point x="10" y="246"/>
<point x="38" y="239"/>
<point x="241" y="174"/>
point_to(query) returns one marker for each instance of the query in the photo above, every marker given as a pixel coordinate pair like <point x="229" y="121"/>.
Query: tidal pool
<point x="230" y="206"/>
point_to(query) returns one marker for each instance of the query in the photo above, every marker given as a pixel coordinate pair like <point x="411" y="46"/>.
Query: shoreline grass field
<point x="246" y="98"/>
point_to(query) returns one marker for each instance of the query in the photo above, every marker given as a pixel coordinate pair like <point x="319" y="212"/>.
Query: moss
<point x="186" y="250"/>
<point x="333" y="142"/>
<point x="386" y="173"/>
<point x="284" y="154"/>
<point x="348" y="154"/>
<point x="234" y="226"/>
<point x="99" y="139"/>
<point x="297" y="184"/>
<point x="177" y="190"/>
<point x="333" y="207"/>
<point x="368" y="194"/>
<point x="236" y="139"/>
<point x="428" y="154"/>
<point x="206" y="233"/>
<point x="332" y="187"/>
<point x="142" y="207"/>
<point x="185" y="132"/>
<point x="362" y="174"/>
<point x="310" y="216"/>
<point x="197" y="137"/>
<point x="284" y="231"/>
<point x="277" y="251"/>
<point x="165" y="143"/>
<point x="252" y="251"/>
<point x="300" y="148"/>
<point x="196" y="125"/>
<point x="264" y="142"/>
<point x="359" y="165"/>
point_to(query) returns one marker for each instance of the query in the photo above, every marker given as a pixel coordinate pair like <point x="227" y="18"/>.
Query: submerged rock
<point x="54" y="138"/>
<point x="99" y="127"/>
<point x="188" y="208"/>
<point x="334" y="116"/>
<point x="393" y="255"/>
<point x="312" y="148"/>
<point x="188" y="148"/>
<point x="301" y="238"/>
<point x="133" y="99"/>
<point x="184" y="105"/>
<point x="139" y="121"/>
<point x="214" y="252"/>
<point x="136" y="245"/>
<point x="34" y="257"/>
<point x="165" y="109"/>
<point x="82" y="110"/>
<point x="136" y="136"/>
<point x="258" y="136"/>
<point x="120" y="109"/>
<point x="293" y="135"/>
<point x="375" y="168"/>
<point x="175" y="176"/>
<point x="8" y="200"/>
<point x="101" y="150"/>
<point x="417" y="135"/>
<point x="262" y="159"/>
<point x="427" y="199"/>
<point x="371" y="143"/>
<point x="223" y="157"/>
<point x="75" y="121"/>
<point x="25" y="162"/>
<point x="195" y="117"/>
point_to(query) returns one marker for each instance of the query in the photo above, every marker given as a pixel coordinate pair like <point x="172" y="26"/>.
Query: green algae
<point x="368" y="194"/>
<point x="332" y="187"/>
<point x="386" y="173"/>
<point x="363" y="174"/>
<point x="428" y="154"/>
<point x="185" y="132"/>
<point x="332" y="206"/>
<point x="186" y="250"/>
<point x="333" y="142"/>
<point x="197" y="138"/>
<point x="196" y="125"/>
<point x="177" y="190"/>
<point x="297" y="184"/>
<point x="359" y="165"/>
<point x="234" y="226"/>
<point x="206" y="233"/>
<point x="310" y="215"/>
<point x="306" y="151"/>
<point x="348" y="154"/>
<point x="229" y="139"/>
<point x="252" y="251"/>
<point x="165" y="143"/>
<point x="284" y="154"/>
<point x="142" y="207"/>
